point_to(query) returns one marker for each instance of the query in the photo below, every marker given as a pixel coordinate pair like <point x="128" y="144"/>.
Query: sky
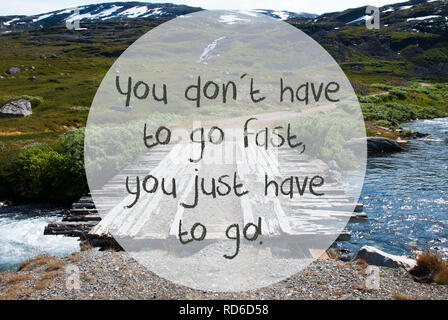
<point x="30" y="7"/>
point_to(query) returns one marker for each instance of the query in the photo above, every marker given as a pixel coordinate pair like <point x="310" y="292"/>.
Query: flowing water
<point x="405" y="196"/>
<point x="21" y="234"/>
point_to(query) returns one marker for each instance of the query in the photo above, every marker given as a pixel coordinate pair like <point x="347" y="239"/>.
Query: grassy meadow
<point x="41" y="155"/>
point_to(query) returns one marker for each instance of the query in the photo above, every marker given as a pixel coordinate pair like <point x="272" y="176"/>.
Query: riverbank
<point x="115" y="275"/>
<point x="405" y="196"/>
<point x="22" y="234"/>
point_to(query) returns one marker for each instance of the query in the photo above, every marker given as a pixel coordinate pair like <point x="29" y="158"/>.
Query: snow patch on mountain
<point x="232" y="19"/>
<point x="207" y="53"/>
<point x="423" y="18"/>
<point x="135" y="12"/>
<point x="129" y="10"/>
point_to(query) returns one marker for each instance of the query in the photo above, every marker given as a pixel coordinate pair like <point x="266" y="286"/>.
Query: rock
<point x="375" y="145"/>
<point x="376" y="257"/>
<point x="421" y="135"/>
<point x="13" y="70"/>
<point x="33" y="78"/>
<point x="5" y="203"/>
<point x="18" y="108"/>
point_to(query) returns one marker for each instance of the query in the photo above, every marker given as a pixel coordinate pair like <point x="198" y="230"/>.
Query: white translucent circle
<point x="249" y="114"/>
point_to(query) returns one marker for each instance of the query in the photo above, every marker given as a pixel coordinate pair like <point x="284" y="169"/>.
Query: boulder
<point x="375" y="145"/>
<point x="17" y="108"/>
<point x="376" y="257"/>
<point x="13" y="70"/>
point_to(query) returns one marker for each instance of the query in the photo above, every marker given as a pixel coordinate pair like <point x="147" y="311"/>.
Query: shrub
<point x="394" y="113"/>
<point x="383" y="123"/>
<point x="400" y="83"/>
<point x="381" y="86"/>
<point x="38" y="171"/>
<point x="332" y="138"/>
<point x="43" y="284"/>
<point x="18" y="277"/>
<point x="430" y="267"/>
<point x="429" y="112"/>
<point x="34" y="144"/>
<point x="402" y="296"/>
<point x="54" y="266"/>
<point x="55" y="174"/>
<point x="30" y="264"/>
<point x="72" y="143"/>
<point x="400" y="94"/>
<point x="360" y="88"/>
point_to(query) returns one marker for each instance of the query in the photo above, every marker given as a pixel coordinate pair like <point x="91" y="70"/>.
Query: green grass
<point x="70" y="67"/>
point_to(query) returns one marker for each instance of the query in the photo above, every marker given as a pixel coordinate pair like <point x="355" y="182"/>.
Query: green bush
<point x="391" y="114"/>
<point x="400" y="94"/>
<point x="52" y="174"/>
<point x="72" y="143"/>
<point x="383" y="123"/>
<point x="39" y="171"/>
<point x="331" y="138"/>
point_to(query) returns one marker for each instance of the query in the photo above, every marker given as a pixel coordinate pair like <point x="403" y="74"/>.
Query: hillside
<point x="412" y="41"/>
<point x="61" y="69"/>
<point x="116" y="11"/>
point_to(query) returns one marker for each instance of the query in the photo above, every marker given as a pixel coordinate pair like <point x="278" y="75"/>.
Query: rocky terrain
<point x="114" y="275"/>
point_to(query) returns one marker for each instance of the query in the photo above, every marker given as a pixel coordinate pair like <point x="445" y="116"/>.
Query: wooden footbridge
<point x="153" y="218"/>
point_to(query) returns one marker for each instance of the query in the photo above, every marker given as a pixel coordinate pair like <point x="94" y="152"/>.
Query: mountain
<point x="411" y="16"/>
<point x="119" y="11"/>
<point x="412" y="41"/>
<point x="99" y="12"/>
<point x="284" y="15"/>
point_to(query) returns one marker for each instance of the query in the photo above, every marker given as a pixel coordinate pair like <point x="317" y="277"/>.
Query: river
<point x="405" y="196"/>
<point x="21" y="234"/>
